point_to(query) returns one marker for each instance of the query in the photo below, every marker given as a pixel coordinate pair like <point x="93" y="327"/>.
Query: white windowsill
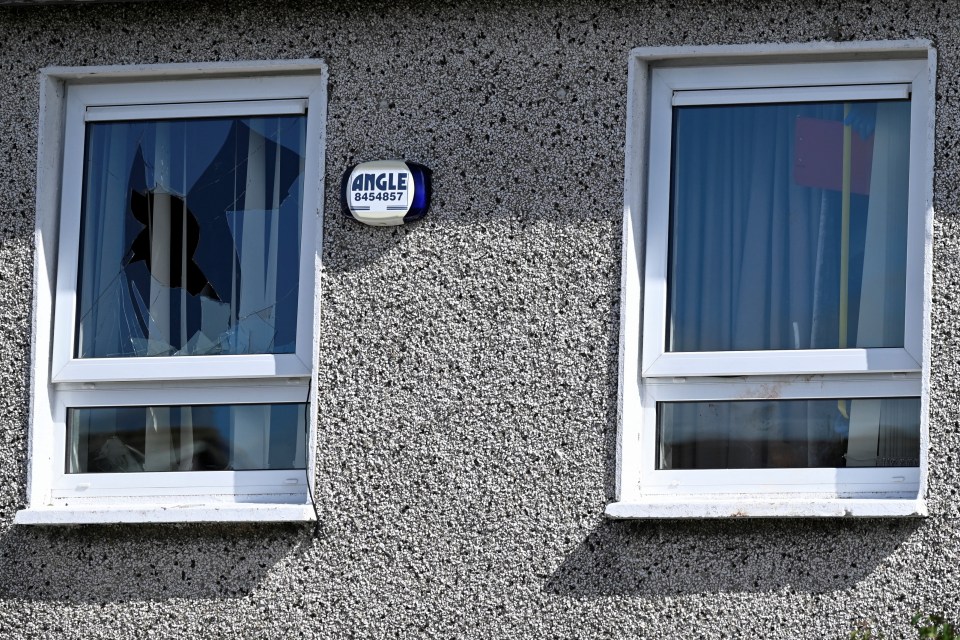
<point x="222" y="512"/>
<point x="678" y="507"/>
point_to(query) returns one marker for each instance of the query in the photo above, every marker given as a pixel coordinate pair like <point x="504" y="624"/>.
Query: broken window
<point x="176" y="302"/>
<point x="190" y="237"/>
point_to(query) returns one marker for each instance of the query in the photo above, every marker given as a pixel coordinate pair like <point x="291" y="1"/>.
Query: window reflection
<point x="788" y="226"/>
<point x="185" y="438"/>
<point x="768" y="434"/>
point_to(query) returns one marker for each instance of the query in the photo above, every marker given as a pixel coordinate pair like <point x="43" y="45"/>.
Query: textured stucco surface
<point x="468" y="362"/>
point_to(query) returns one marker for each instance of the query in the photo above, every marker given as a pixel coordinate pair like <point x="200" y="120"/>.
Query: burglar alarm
<point x="386" y="192"/>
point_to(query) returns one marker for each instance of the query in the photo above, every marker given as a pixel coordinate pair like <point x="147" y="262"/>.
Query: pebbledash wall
<point x="468" y="362"/>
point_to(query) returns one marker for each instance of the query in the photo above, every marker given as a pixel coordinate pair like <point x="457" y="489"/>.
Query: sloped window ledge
<point x="170" y="513"/>
<point x="652" y="508"/>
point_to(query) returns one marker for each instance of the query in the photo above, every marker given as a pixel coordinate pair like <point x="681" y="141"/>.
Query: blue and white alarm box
<point x="386" y="192"/>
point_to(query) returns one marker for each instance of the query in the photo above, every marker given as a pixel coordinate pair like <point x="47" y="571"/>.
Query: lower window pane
<point x="770" y="434"/>
<point x="186" y="438"/>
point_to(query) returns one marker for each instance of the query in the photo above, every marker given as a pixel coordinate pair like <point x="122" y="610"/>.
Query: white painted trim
<point x="919" y="204"/>
<point x="195" y="110"/>
<point x="792" y="76"/>
<point x="175" y="395"/>
<point x="183" y="367"/>
<point x="800" y="387"/>
<point x="792" y="94"/>
<point x="125" y="73"/>
<point x="49" y="167"/>
<point x="628" y="403"/>
<point x="835" y="373"/>
<point x="153" y="485"/>
<point x="311" y="232"/>
<point x="653" y="282"/>
<point x="781" y="362"/>
<point x="926" y="294"/>
<point x="845" y="483"/>
<point x="195" y="90"/>
<point x="719" y="507"/>
<point x="796" y="51"/>
<point x="160" y="513"/>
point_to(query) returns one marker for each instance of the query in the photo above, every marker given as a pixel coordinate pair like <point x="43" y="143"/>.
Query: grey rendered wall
<point x="468" y="362"/>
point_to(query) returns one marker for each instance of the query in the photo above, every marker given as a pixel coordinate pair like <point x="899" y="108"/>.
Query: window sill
<point x="679" y="507"/>
<point x="157" y="513"/>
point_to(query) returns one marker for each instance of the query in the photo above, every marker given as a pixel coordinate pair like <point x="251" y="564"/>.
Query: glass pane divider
<point x="195" y="110"/>
<point x="782" y="362"/>
<point x="798" y="387"/>
<point x="846" y="93"/>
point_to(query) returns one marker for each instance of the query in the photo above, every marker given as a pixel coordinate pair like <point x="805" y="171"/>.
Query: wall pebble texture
<point x="468" y="362"/>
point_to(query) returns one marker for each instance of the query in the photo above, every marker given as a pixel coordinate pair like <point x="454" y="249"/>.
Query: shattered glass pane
<point x="181" y="438"/>
<point x="190" y="237"/>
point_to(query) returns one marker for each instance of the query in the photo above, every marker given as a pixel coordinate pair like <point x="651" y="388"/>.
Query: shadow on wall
<point x="122" y="563"/>
<point x="669" y="558"/>
<point x="499" y="213"/>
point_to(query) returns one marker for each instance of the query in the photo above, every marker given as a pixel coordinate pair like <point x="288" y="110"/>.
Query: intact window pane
<point x="769" y="434"/>
<point x="788" y="226"/>
<point x="190" y="237"/>
<point x="185" y="438"/>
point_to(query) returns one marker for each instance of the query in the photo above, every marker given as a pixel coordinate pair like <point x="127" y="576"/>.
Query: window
<point x="777" y="226"/>
<point x="177" y="262"/>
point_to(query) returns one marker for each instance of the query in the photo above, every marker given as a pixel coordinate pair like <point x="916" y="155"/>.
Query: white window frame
<point x="659" y="79"/>
<point x="71" y="97"/>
